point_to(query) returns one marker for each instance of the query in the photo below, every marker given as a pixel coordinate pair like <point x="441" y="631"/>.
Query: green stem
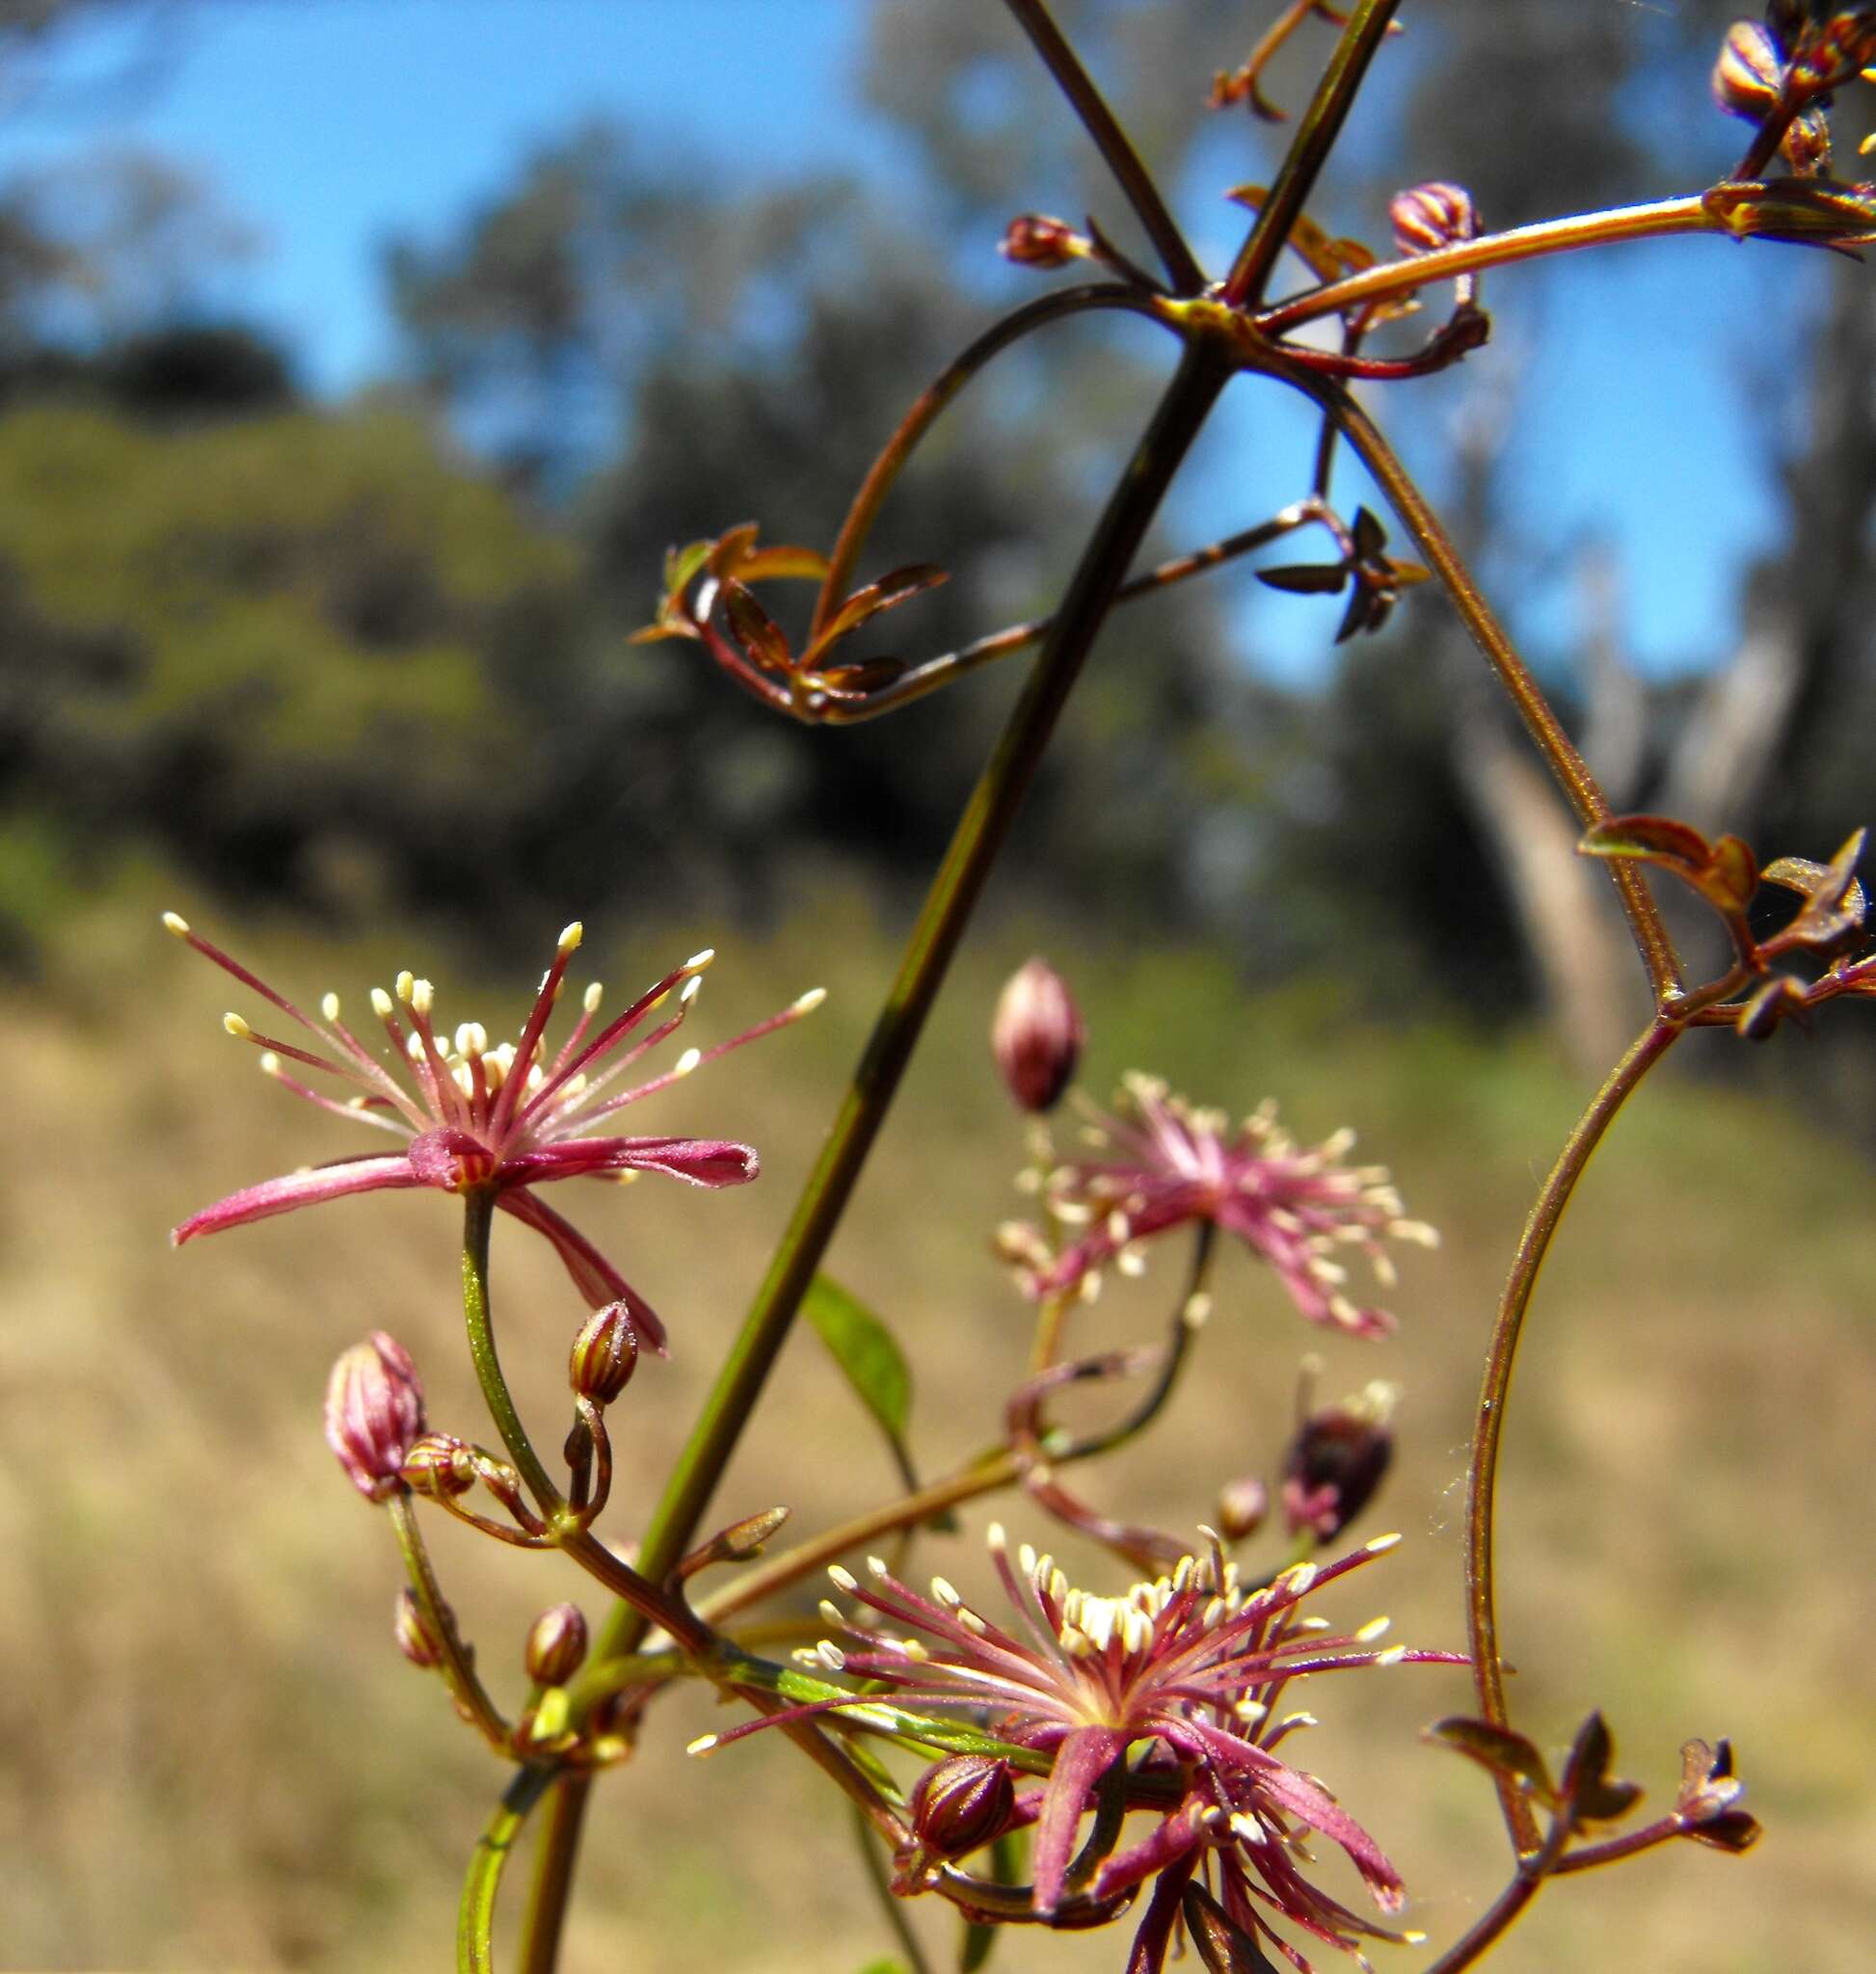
<point x="1546" y="730"/>
<point x="955" y="891"/>
<point x="478" y="1215"/>
<point x="1309" y="152"/>
<point x="1393" y="278"/>
<point x="1488" y="1427"/>
<point x="892" y="1907"/>
<point x="458" y="1666"/>
<point x="475" y="1918"/>
<point x="553" y="1864"/>
<point x="930" y="405"/>
<point x="1111" y="142"/>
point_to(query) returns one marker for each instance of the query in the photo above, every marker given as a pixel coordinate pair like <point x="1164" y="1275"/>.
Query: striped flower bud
<point x="556" y="1646"/>
<point x="440" y="1466"/>
<point x="1036" y="1036"/>
<point x="1428" y="217"/>
<point x="962" y="1803"/>
<point x="418" y="1642"/>
<point x="604" y="1354"/>
<point x="374" y="1413"/>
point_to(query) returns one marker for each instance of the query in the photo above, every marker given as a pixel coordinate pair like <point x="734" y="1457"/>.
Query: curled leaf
<point x="1502" y="1751"/>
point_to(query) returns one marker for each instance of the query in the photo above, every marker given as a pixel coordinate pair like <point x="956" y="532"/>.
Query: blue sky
<point x="328" y="125"/>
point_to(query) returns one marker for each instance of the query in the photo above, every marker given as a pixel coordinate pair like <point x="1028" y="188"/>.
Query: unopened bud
<point x="604" y="1354"/>
<point x="1336" y="1462"/>
<point x="418" y="1642"/>
<point x="1832" y="47"/>
<point x="440" y="1466"/>
<point x="1750" y="73"/>
<point x="1032" y="239"/>
<point x="556" y="1646"/>
<point x="1242" y="1508"/>
<point x="374" y="1413"/>
<point x="962" y="1803"/>
<point x="1428" y="217"/>
<point x="1037" y="1035"/>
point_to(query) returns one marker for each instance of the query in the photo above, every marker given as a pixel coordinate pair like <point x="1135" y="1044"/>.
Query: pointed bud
<point x="1036" y="1036"/>
<point x="556" y="1646"/>
<point x="1032" y="239"/>
<point x="440" y="1466"/>
<point x="1336" y="1462"/>
<point x="1428" y="217"/>
<point x="418" y="1642"/>
<point x="604" y="1354"/>
<point x="962" y="1803"/>
<point x="1242" y="1508"/>
<point x="374" y="1412"/>
<point x="1749" y="73"/>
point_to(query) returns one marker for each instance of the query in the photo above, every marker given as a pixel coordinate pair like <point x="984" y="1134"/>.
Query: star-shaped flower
<point x="1166" y="1165"/>
<point x="507" y="1118"/>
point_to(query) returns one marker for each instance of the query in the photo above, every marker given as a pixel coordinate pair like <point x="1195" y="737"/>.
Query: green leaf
<point x="864" y="1349"/>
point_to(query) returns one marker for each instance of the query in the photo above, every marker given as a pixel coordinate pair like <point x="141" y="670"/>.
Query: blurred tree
<point x="267" y="647"/>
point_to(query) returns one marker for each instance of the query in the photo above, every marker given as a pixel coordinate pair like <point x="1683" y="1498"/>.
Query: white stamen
<point x="807" y="1002"/>
<point x="329" y="1007"/>
<point x="1381" y="1544"/>
<point x="1392" y="1655"/>
<point x="405" y="984"/>
<point x="701" y="1745"/>
<point x="688" y="1060"/>
<point x="237" y="1026"/>
<point x="1375" y="1628"/>
<point x="269" y="1063"/>
<point x="381" y="1002"/>
<point x="423" y="997"/>
<point x="571" y="937"/>
<point x="843" y="1579"/>
<point x="590" y="1000"/>
<point x="690" y="990"/>
<point x="174" y="922"/>
<point x="698" y="961"/>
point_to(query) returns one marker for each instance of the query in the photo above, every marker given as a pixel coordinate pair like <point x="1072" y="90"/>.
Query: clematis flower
<point x="508" y="1118"/>
<point x="1169" y="1165"/>
<point x="1191" y="1663"/>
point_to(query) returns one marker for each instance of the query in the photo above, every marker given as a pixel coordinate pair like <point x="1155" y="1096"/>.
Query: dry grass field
<point x="212" y="1758"/>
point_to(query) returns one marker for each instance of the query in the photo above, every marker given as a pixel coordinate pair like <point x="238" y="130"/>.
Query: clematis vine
<point x="508" y="1118"/>
<point x="1165" y="1163"/>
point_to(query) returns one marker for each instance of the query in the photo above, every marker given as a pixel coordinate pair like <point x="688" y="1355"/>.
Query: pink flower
<point x="1167" y="1164"/>
<point x="1190" y="1663"/>
<point x="506" y="1118"/>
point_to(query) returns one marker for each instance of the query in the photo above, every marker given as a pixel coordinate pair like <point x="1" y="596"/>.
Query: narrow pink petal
<point x="1147" y="1955"/>
<point x="698" y="1161"/>
<point x="1172" y="1839"/>
<point x="594" y="1276"/>
<point x="1307" y="1801"/>
<point x="298" y="1189"/>
<point x="1081" y="1761"/>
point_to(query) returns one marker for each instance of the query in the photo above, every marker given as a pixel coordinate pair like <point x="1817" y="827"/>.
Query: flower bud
<point x="962" y="1803"/>
<point x="1032" y="239"/>
<point x="556" y="1646"/>
<point x="440" y="1466"/>
<point x="604" y="1354"/>
<point x="418" y="1642"/>
<point x="1242" y="1508"/>
<point x="1749" y="73"/>
<point x="374" y="1412"/>
<point x="1428" y="217"/>
<point x="1037" y="1035"/>
<point x="1336" y="1462"/>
